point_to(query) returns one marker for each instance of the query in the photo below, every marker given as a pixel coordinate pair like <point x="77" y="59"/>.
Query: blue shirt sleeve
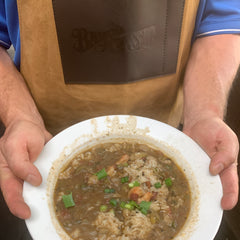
<point x="217" y="17"/>
<point x="9" y="27"/>
<point x="4" y="37"/>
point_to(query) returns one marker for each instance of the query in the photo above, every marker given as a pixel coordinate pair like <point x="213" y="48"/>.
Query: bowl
<point x="206" y="191"/>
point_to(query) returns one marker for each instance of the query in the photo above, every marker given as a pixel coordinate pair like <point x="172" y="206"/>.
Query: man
<point x="115" y="57"/>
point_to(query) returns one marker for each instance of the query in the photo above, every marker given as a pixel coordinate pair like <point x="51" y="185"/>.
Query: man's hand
<point x="19" y="148"/>
<point x="24" y="137"/>
<point x="221" y="144"/>
<point x="210" y="72"/>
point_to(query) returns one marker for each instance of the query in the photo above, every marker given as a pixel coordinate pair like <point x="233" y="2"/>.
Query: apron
<point x="81" y="63"/>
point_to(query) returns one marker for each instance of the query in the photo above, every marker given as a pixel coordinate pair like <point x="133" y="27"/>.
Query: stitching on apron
<point x="165" y="39"/>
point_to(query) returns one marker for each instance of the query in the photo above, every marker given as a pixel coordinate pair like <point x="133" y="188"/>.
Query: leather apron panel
<point x="118" y="41"/>
<point x="62" y="105"/>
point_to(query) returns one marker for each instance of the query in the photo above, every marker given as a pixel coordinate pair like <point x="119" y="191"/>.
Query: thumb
<point x="24" y="169"/>
<point x="225" y="155"/>
<point x="20" y="156"/>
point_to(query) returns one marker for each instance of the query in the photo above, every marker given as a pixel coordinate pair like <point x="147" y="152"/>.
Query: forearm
<point x="209" y="75"/>
<point x="16" y="102"/>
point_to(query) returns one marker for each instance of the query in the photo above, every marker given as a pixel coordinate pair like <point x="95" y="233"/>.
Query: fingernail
<point x="32" y="179"/>
<point x="217" y="168"/>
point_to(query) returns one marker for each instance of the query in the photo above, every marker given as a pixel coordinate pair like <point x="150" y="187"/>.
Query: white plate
<point x="205" y="214"/>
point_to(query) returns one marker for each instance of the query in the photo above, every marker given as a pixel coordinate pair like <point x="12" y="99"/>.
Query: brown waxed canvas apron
<point x="117" y="59"/>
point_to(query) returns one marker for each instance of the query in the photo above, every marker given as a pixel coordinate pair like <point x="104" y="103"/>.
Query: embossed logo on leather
<point x="114" y="39"/>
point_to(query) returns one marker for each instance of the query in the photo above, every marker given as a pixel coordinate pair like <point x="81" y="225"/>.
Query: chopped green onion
<point x="103" y="208"/>
<point x="101" y="174"/>
<point x="134" y="184"/>
<point x="122" y="204"/>
<point x="113" y="202"/>
<point x="131" y="185"/>
<point x="144" y="211"/>
<point x="68" y="200"/>
<point x="125" y="179"/>
<point x="109" y="190"/>
<point x="134" y="204"/>
<point x="129" y="206"/>
<point x="157" y="185"/>
<point x="168" y="182"/>
<point x="144" y="207"/>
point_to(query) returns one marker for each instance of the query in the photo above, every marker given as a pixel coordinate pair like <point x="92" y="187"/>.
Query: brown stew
<point x="122" y="190"/>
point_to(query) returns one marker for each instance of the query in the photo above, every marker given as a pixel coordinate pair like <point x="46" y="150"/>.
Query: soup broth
<point x="122" y="190"/>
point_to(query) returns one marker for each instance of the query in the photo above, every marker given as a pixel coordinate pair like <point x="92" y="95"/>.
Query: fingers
<point x="229" y="178"/>
<point x="20" y="157"/>
<point x="221" y="144"/>
<point x="222" y="160"/>
<point x="224" y="163"/>
<point x="19" y="148"/>
<point x="26" y="171"/>
<point x="11" y="188"/>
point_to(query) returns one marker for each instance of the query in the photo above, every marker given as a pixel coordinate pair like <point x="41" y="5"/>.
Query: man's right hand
<point x="20" y="146"/>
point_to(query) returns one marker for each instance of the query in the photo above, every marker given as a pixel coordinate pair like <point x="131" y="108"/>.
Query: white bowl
<point x="205" y="214"/>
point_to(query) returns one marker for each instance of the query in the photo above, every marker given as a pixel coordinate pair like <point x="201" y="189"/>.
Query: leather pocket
<point x="117" y="41"/>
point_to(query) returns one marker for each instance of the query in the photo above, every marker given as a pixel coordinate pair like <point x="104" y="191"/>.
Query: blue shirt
<point x="214" y="17"/>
